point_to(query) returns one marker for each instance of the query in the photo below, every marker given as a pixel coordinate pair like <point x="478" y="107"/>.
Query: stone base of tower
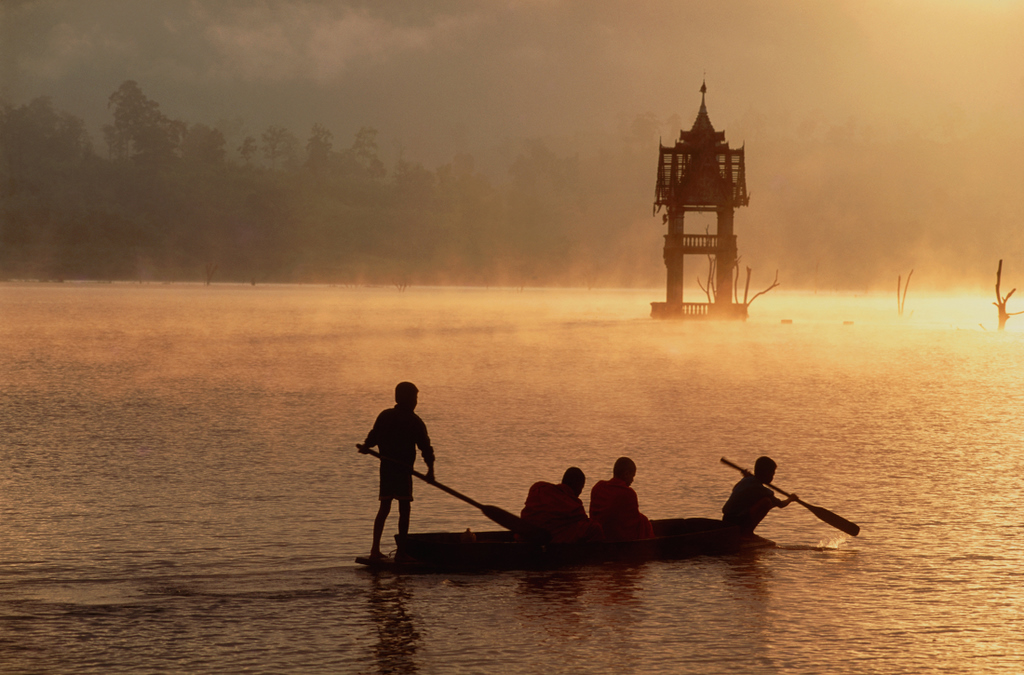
<point x="699" y="311"/>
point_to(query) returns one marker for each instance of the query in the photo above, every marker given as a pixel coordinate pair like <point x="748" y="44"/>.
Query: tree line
<point x="166" y="200"/>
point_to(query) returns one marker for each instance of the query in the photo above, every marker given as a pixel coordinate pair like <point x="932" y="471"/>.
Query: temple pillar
<point x="674" y="260"/>
<point x="725" y="258"/>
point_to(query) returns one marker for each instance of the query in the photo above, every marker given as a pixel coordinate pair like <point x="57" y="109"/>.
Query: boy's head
<point x="406" y="394"/>
<point x="764" y="469"/>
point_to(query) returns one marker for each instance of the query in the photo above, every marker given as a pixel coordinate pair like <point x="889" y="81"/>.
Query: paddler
<point x="559" y="510"/>
<point x="615" y="507"/>
<point x="752" y="499"/>
<point x="398" y="432"/>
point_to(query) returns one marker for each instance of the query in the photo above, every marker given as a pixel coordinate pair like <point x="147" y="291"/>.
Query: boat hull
<point x="674" y="539"/>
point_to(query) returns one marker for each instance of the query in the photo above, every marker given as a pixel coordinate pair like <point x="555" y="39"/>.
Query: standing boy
<point x="398" y="432"/>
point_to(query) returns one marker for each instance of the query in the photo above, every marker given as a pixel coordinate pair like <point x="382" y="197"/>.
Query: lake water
<point x="179" y="491"/>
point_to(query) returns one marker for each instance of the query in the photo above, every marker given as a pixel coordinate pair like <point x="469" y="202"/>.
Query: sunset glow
<point x="519" y="336"/>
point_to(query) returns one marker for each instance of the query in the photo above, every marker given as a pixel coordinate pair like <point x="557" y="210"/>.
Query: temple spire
<point x="703" y="123"/>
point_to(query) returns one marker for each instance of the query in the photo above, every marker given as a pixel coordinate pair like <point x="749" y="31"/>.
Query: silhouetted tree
<point x="901" y="300"/>
<point x="414" y="185"/>
<point x="318" y="148"/>
<point x="248" y="149"/>
<point x="35" y="137"/>
<point x="1001" y="300"/>
<point x="140" y="132"/>
<point x="278" y="144"/>
<point x="361" y="158"/>
<point x="42" y="184"/>
<point x="746" y="290"/>
<point x="203" y="145"/>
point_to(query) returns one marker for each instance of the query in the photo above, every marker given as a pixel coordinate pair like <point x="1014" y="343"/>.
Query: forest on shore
<point x="152" y="198"/>
<point x="161" y="199"/>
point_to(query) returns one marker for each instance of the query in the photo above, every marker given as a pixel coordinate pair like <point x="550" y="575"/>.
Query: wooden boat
<point x="674" y="538"/>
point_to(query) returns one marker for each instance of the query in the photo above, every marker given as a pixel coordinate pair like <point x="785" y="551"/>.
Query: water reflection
<point x="551" y="602"/>
<point x="397" y="638"/>
<point x="587" y="606"/>
<point x="750" y="574"/>
<point x="623" y="584"/>
<point x="750" y="579"/>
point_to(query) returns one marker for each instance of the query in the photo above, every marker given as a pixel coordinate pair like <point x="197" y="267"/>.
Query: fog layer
<point x="881" y="137"/>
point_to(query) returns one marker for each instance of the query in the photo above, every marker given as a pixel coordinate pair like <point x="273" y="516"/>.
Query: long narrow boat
<point x="674" y="538"/>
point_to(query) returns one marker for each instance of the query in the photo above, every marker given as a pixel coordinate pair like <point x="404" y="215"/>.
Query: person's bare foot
<point x="377" y="555"/>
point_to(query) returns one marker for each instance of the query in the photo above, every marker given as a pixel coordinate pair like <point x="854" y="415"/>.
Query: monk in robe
<point x="558" y="509"/>
<point x="614" y="505"/>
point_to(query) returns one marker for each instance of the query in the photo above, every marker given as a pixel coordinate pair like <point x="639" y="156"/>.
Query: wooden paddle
<point x="823" y="515"/>
<point x="502" y="517"/>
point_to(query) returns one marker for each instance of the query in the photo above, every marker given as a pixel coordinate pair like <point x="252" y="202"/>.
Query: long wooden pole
<point x="500" y="516"/>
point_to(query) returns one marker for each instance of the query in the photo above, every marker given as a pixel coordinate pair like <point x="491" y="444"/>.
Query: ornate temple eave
<point x="698" y="137"/>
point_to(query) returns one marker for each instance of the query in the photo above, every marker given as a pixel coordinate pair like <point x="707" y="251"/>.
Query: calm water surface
<point x="179" y="491"/>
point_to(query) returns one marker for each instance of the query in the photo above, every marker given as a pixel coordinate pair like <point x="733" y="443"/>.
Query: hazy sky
<point x="438" y="78"/>
<point x="438" y="75"/>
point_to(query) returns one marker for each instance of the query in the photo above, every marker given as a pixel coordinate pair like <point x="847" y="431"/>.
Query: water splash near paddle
<point x="833" y="542"/>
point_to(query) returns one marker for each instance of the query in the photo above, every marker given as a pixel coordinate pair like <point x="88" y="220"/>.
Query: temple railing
<point x="691" y="310"/>
<point x="696" y="243"/>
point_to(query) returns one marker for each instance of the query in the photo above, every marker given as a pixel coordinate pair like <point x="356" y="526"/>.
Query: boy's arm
<point x="428" y="458"/>
<point x="427" y="451"/>
<point x="371" y="440"/>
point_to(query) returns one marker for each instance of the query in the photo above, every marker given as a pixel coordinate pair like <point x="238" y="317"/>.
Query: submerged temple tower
<point x="700" y="173"/>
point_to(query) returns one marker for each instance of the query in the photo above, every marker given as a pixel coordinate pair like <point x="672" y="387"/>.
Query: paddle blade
<point x="529" y="532"/>
<point x="834" y="520"/>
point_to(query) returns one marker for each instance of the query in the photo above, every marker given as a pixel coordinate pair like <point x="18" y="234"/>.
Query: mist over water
<point x="179" y="490"/>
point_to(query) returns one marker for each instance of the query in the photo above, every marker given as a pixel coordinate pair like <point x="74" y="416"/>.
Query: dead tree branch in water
<point x="211" y="269"/>
<point x="1001" y="301"/>
<point x="736" y="280"/>
<point x="710" y="289"/>
<point x="757" y="295"/>
<point x="901" y="302"/>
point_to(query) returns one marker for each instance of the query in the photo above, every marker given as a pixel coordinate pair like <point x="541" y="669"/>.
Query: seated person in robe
<point x="558" y="509"/>
<point x="752" y="499"/>
<point x="614" y="505"/>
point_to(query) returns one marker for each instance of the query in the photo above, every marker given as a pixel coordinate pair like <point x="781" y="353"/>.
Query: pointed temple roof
<point x="702" y="130"/>
<point x="701" y="172"/>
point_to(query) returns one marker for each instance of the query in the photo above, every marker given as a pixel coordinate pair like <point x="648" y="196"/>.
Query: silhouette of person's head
<point x="624" y="470"/>
<point x="764" y="469"/>
<point x="406" y="395"/>
<point x="575" y="479"/>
